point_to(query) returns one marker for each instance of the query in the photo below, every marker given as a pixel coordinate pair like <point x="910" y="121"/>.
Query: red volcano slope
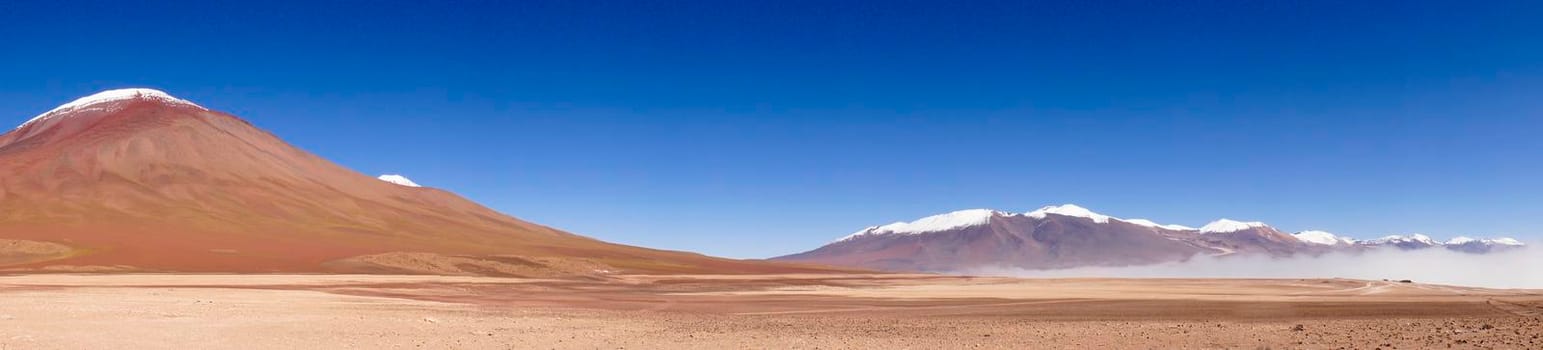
<point x="150" y="183"/>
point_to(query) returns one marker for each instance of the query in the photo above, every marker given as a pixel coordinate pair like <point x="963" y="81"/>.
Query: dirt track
<point x="776" y="311"/>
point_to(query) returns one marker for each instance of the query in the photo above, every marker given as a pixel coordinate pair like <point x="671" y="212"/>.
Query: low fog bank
<point x="1516" y="268"/>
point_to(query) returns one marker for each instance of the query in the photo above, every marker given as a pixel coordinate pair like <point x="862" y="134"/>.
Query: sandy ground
<point x="767" y="311"/>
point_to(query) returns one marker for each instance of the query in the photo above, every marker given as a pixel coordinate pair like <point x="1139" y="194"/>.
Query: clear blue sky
<point x="753" y="129"/>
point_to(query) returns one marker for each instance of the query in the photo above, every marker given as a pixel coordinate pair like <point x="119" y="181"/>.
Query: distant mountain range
<point x="1067" y="236"/>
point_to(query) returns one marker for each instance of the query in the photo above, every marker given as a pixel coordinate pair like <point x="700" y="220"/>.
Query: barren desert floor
<point x="148" y="311"/>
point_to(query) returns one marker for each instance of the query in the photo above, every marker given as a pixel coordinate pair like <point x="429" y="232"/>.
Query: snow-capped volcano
<point x="935" y="223"/>
<point x="1067" y="235"/>
<point x="1322" y="237"/>
<point x="1068" y="210"/>
<point x="101" y="100"/>
<point x="1460" y="243"/>
<point x="1229" y="225"/>
<point x="1053" y="236"/>
<point x="1460" y="240"/>
<point x="1474" y="245"/>
<point x="1497" y="241"/>
<point x="1503" y="241"/>
<point x="1250" y="237"/>
<point x="138" y="179"/>
<point x="1149" y="223"/>
<point x="1402" y="241"/>
<point x="981" y="217"/>
<point x="1074" y="210"/>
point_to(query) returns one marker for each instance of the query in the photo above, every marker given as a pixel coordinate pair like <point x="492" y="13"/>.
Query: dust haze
<point x="1517" y="268"/>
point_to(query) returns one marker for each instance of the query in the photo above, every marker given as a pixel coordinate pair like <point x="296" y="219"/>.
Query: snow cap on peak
<point x="398" y="179"/>
<point x="110" y="96"/>
<point x="1416" y="238"/>
<point x="1505" y="241"/>
<point x="1074" y="210"/>
<point x="1228" y="225"/>
<point x="935" y="223"/>
<point x="1460" y="240"/>
<point x="1068" y="210"/>
<point x="1322" y="237"/>
<point x="1149" y="223"/>
<point x="1079" y="212"/>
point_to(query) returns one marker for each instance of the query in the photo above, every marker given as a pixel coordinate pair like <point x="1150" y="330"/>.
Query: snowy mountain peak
<point x="1505" y="241"/>
<point x="935" y="223"/>
<point x="1460" y="240"/>
<point x="88" y="102"/>
<point x="1228" y="225"/>
<point x="1149" y="223"/>
<point x="398" y="179"/>
<point x="1069" y="210"/>
<point x="1322" y="237"/>
<point x="1413" y="238"/>
<point x="1460" y="243"/>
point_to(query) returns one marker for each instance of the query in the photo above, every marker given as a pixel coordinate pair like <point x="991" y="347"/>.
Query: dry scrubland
<point x="760" y="311"/>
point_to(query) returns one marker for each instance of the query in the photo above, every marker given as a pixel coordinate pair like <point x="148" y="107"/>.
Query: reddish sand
<point x="753" y="311"/>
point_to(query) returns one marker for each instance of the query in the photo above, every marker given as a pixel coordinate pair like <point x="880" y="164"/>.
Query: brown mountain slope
<point x="149" y="182"/>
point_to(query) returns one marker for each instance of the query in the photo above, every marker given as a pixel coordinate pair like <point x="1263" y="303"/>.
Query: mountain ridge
<point x="1068" y="235"/>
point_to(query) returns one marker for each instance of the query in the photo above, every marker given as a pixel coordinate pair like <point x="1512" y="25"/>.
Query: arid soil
<point x="147" y="311"/>
<point x="15" y="252"/>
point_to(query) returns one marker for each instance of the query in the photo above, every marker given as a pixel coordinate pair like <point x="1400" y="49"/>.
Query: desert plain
<point x="785" y="311"/>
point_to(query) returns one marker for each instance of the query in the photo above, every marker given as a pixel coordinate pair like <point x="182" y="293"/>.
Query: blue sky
<point x="754" y="129"/>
